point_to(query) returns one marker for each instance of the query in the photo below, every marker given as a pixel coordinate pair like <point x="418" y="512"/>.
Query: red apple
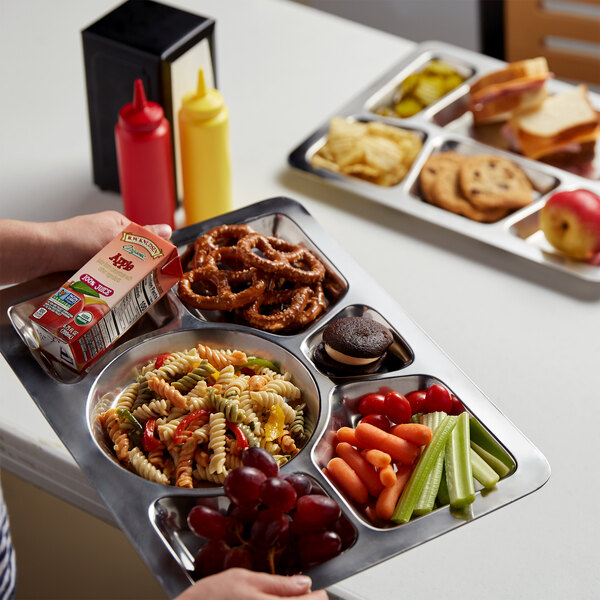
<point x="571" y="223"/>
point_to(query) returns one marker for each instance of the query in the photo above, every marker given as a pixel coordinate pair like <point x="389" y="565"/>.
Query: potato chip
<point x="342" y="128"/>
<point x="320" y="161"/>
<point x="381" y="153"/>
<point x="346" y="151"/>
<point x="362" y="171"/>
<point x="373" y="151"/>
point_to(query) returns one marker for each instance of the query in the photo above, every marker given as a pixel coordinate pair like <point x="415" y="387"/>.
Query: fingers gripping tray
<point x="153" y="515"/>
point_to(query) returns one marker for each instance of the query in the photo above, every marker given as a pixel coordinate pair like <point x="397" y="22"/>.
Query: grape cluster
<point x="275" y="523"/>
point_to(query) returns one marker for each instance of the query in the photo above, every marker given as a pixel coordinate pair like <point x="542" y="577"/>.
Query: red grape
<point x="279" y="494"/>
<point x="301" y="483"/>
<point x="235" y="533"/>
<point x="210" y="558"/>
<point x="242" y="485"/>
<point x="207" y="522"/>
<point x="244" y="514"/>
<point x="280" y="524"/>
<point x="260" y="459"/>
<point x="238" y="557"/>
<point x="344" y="528"/>
<point x="316" y="511"/>
<point x="270" y="526"/>
<point x="319" y="546"/>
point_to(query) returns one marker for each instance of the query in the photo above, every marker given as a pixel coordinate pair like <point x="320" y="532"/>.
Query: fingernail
<point x="162" y="230"/>
<point x="302" y="581"/>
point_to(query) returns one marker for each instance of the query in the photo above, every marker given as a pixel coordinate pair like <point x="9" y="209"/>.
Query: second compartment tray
<point x="447" y="125"/>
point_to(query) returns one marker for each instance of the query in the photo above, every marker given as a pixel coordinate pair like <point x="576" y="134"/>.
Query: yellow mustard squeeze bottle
<point x="205" y="156"/>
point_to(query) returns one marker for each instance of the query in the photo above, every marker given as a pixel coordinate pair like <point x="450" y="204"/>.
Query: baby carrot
<point x="387" y="500"/>
<point x="367" y="473"/>
<point x="370" y="513"/>
<point x="347" y="479"/>
<point x="387" y="475"/>
<point x="370" y="436"/>
<point x="377" y="458"/>
<point x="413" y="432"/>
<point x="348" y="435"/>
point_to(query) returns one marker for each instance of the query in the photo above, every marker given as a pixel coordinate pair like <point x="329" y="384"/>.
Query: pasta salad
<point x="189" y="415"/>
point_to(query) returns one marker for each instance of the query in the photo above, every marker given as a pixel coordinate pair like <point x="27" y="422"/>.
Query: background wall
<point x="458" y="22"/>
<point x="452" y="21"/>
<point x="54" y="541"/>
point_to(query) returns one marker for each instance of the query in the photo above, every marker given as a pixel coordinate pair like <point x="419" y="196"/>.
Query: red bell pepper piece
<point x="178" y="437"/>
<point x="149" y="442"/>
<point x="160" y="360"/>
<point x="240" y="437"/>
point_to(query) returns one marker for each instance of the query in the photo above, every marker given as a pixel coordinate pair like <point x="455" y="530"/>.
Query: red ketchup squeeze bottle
<point x="145" y="161"/>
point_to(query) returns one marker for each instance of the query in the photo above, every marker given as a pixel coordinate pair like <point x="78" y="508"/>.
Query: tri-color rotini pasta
<point x="189" y="416"/>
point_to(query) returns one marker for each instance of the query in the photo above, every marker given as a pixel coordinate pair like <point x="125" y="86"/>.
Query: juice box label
<point x="88" y="313"/>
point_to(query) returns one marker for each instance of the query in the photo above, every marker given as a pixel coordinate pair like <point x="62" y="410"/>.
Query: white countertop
<point x="527" y="336"/>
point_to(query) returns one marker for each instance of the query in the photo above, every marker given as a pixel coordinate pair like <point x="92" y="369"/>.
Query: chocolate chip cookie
<point x="489" y="181"/>
<point x="436" y="166"/>
<point x="446" y="193"/>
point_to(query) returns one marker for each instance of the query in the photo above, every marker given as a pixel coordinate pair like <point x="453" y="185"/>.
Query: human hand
<point x="29" y="250"/>
<point x="241" y="584"/>
<point x="84" y="236"/>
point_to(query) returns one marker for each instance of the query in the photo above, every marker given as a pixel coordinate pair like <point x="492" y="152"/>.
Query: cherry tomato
<point x="457" y="406"/>
<point x="372" y="404"/>
<point x="438" y="398"/>
<point x="397" y="408"/>
<point x="417" y="400"/>
<point x="380" y="421"/>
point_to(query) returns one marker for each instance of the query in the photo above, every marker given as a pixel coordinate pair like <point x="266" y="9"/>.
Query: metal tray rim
<point x="129" y="498"/>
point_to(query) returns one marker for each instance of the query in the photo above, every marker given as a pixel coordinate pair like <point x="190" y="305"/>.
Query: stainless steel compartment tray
<point x="137" y="504"/>
<point x="447" y="125"/>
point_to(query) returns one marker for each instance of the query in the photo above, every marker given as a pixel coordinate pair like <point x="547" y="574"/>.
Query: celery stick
<point x="486" y="476"/>
<point x="416" y="418"/>
<point x="433" y="419"/>
<point x="427" y="498"/>
<point x="490" y="450"/>
<point x="443" y="498"/>
<point x="491" y="460"/>
<point x="426" y="462"/>
<point x="459" y="475"/>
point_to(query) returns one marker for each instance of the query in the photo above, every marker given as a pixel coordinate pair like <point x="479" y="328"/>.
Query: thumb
<point x="281" y="585"/>
<point x="162" y="230"/>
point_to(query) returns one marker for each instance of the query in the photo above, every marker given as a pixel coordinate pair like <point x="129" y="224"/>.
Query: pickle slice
<point x="421" y="89"/>
<point x="438" y="67"/>
<point x="429" y="90"/>
<point x="407" y="107"/>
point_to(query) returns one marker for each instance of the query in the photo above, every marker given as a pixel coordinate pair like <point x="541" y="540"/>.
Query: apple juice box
<point x="85" y="316"/>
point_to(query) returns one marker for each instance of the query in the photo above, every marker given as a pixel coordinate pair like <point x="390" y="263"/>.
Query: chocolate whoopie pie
<point x="353" y="346"/>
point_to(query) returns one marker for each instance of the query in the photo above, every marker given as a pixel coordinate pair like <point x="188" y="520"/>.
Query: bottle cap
<point x="141" y="115"/>
<point x="202" y="104"/>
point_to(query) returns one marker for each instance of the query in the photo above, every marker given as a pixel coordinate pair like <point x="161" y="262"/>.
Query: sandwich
<point x="562" y="131"/>
<point x="519" y="86"/>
